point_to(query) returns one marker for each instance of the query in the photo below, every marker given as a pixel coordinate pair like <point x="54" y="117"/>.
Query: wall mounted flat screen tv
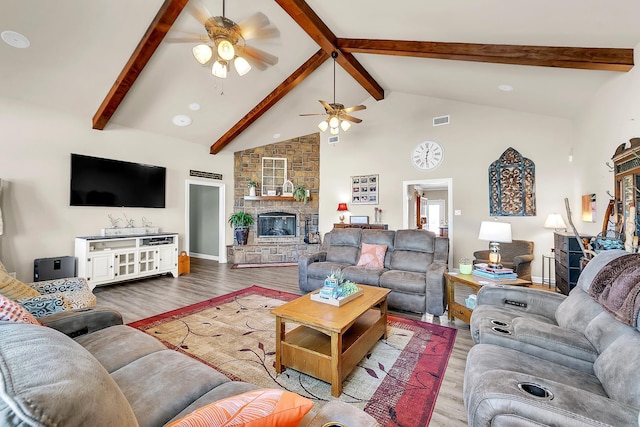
<point x="114" y="183"/>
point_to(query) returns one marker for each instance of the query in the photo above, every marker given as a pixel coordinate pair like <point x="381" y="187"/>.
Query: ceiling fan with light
<point x="225" y="41"/>
<point x="338" y="115"/>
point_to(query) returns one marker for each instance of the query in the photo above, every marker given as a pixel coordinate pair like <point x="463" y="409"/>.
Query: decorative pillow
<point x="11" y="311"/>
<point x="263" y="408"/>
<point x="45" y="304"/>
<point x="15" y="289"/>
<point x="372" y="256"/>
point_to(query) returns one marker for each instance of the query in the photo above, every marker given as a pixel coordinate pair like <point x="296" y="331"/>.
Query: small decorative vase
<point x="252" y="191"/>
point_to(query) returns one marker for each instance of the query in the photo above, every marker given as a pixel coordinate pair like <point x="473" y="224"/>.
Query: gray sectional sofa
<point x="547" y="359"/>
<point x="111" y="375"/>
<point x="414" y="265"/>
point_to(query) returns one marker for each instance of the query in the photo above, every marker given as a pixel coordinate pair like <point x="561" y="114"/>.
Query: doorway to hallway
<point x="435" y="207"/>
<point x="205" y="223"/>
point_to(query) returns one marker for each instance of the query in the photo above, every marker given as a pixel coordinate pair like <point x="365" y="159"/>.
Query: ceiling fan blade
<point x="183" y="37"/>
<point x="261" y="33"/>
<point x="198" y="10"/>
<point x="350" y="118"/>
<point x="254" y="22"/>
<point x="314" y="114"/>
<point x="259" y="55"/>
<point x="356" y="108"/>
<point x="326" y="105"/>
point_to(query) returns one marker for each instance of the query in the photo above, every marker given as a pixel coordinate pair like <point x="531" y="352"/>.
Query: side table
<point x="460" y="311"/>
<point x="547" y="259"/>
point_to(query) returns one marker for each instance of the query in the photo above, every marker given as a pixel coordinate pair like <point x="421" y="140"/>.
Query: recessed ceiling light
<point x="15" y="39"/>
<point x="194" y="106"/>
<point x="505" y="88"/>
<point x="276" y="135"/>
<point x="181" y="120"/>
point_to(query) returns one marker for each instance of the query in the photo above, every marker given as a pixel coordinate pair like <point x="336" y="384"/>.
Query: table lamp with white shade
<point x="555" y="221"/>
<point x="495" y="232"/>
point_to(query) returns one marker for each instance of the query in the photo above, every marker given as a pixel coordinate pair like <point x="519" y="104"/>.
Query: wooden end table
<point x="460" y="311"/>
<point x="330" y="341"/>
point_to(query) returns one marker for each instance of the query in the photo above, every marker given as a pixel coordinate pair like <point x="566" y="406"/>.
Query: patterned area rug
<point x="397" y="382"/>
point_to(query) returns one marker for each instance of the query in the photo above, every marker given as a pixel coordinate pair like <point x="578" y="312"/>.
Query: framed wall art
<point x="364" y="190"/>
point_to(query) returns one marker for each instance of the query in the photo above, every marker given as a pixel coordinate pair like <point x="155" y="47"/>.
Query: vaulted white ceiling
<point x="79" y="47"/>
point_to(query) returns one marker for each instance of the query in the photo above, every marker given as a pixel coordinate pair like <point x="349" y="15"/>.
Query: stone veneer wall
<point x="303" y="167"/>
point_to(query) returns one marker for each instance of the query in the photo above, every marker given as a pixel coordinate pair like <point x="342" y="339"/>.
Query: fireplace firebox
<point x="272" y="224"/>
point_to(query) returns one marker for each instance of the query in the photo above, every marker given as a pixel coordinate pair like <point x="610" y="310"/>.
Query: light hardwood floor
<point x="144" y="298"/>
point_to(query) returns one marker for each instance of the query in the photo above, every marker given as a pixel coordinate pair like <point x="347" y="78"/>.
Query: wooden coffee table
<point x="330" y="341"/>
<point x="460" y="311"/>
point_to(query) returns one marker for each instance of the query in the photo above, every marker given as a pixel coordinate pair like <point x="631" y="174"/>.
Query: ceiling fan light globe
<point x="345" y="125"/>
<point x="202" y="53"/>
<point x="334" y="131"/>
<point x="334" y="122"/>
<point x="242" y="65"/>
<point x="323" y="125"/>
<point x="226" y="50"/>
<point x="219" y="69"/>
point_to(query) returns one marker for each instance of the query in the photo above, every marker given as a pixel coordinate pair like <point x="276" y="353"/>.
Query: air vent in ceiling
<point x="333" y="139"/>
<point x="442" y="120"/>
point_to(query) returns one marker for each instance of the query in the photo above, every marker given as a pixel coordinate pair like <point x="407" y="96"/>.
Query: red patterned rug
<point x="397" y="382"/>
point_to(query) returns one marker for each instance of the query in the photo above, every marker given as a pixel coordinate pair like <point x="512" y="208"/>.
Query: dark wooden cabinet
<point x="567" y="260"/>
<point x="373" y="226"/>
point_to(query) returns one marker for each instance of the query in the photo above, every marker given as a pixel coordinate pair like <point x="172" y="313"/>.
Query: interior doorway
<point x="205" y="223"/>
<point x="435" y="207"/>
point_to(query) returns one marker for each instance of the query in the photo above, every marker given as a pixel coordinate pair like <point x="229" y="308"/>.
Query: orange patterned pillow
<point x="13" y="312"/>
<point x="372" y="256"/>
<point x="263" y="408"/>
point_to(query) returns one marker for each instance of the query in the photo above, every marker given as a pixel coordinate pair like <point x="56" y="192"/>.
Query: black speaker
<point x="54" y="268"/>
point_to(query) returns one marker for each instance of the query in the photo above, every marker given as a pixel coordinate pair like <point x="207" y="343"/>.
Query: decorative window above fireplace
<point x="274" y="174"/>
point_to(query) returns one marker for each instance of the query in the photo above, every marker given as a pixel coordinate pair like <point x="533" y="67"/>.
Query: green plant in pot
<point x="241" y="221"/>
<point x="300" y="193"/>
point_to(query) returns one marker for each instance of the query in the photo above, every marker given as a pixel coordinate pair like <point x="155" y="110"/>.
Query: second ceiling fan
<point x="337" y="115"/>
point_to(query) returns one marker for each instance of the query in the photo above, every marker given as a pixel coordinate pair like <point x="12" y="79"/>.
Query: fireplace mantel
<point x="274" y="198"/>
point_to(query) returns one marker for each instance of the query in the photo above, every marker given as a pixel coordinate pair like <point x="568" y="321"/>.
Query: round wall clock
<point x="427" y="155"/>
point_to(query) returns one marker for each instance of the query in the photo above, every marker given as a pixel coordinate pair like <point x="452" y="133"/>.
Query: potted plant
<point x="252" y="187"/>
<point x="300" y="193"/>
<point x="241" y="221"/>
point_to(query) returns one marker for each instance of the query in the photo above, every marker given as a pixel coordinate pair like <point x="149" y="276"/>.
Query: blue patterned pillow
<point x="44" y="305"/>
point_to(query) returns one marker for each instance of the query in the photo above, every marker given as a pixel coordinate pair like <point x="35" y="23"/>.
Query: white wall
<point x="476" y="137"/>
<point x="35" y="152"/>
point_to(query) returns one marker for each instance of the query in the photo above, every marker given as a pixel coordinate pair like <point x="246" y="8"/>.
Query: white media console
<point x="103" y="260"/>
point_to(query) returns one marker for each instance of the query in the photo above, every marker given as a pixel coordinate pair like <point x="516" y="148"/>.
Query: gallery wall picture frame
<point x="364" y="189"/>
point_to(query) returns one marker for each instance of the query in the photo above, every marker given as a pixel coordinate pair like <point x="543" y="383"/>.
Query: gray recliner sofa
<point x="112" y="375"/>
<point x="547" y="359"/>
<point x="414" y="265"/>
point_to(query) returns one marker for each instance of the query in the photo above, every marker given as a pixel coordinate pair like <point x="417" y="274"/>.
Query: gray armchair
<point x="516" y="255"/>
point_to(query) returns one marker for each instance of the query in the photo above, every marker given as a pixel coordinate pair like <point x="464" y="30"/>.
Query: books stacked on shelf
<point x="483" y="270"/>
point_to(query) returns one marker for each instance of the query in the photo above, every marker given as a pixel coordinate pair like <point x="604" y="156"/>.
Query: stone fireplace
<point x="284" y="228"/>
<point x="272" y="224"/>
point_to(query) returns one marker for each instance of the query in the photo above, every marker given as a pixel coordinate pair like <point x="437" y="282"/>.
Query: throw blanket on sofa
<point x="617" y="287"/>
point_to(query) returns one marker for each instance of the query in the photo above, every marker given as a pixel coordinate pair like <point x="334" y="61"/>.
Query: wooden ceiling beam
<point x="152" y="38"/>
<point x="270" y="100"/>
<point x="608" y="59"/>
<point x="311" y="23"/>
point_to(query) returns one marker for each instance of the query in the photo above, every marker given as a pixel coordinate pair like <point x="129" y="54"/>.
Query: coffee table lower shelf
<point x="309" y="350"/>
